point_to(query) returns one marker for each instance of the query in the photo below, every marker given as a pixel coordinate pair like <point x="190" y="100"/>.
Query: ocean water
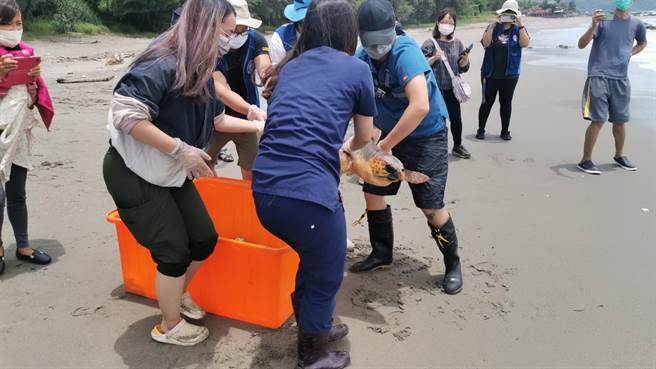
<point x="558" y="48"/>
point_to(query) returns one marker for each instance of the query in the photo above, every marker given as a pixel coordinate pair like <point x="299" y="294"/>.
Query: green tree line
<point x="154" y="15"/>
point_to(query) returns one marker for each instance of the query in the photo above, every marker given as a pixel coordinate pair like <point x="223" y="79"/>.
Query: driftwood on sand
<point x="84" y="80"/>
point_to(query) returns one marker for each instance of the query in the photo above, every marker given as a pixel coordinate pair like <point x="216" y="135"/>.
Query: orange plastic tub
<point x="251" y="273"/>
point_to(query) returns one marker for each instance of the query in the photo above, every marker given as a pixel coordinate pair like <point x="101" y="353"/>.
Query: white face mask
<point x="224" y="45"/>
<point x="378" y="52"/>
<point x="10" y="39"/>
<point x="238" y="41"/>
<point x="446" y="29"/>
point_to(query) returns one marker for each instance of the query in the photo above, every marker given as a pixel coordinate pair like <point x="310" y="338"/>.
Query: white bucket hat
<point x="510" y="6"/>
<point x="244" y="15"/>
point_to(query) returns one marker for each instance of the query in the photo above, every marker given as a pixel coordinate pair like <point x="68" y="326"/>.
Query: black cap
<point x="376" y="15"/>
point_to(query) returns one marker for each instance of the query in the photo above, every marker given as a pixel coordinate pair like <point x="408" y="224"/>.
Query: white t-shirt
<point x="276" y="49"/>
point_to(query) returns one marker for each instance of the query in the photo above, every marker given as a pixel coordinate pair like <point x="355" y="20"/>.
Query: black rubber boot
<point x="312" y="353"/>
<point x="447" y="241"/>
<point x="337" y="331"/>
<point x="381" y="236"/>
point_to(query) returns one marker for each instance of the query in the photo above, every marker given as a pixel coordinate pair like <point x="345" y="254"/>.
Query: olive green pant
<point x="172" y="223"/>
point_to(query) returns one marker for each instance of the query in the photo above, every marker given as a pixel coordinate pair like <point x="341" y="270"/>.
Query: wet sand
<point x="558" y="266"/>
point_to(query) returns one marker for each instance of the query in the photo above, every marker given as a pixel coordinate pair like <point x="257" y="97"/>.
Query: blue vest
<point x="248" y="70"/>
<point x="287" y="33"/>
<point x="514" y="54"/>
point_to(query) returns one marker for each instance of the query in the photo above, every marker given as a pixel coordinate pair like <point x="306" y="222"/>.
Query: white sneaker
<point x="189" y="308"/>
<point x="183" y="334"/>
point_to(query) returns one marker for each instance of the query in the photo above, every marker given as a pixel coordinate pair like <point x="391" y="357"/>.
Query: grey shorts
<point x="429" y="156"/>
<point x="607" y="99"/>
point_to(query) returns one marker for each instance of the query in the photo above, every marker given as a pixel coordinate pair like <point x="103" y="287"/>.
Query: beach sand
<point x="558" y="266"/>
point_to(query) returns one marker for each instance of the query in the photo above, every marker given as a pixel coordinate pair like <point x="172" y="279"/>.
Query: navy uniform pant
<point x="318" y="235"/>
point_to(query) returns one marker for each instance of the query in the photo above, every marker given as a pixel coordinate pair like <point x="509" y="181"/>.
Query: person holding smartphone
<point x="607" y="91"/>
<point x="451" y="50"/>
<point x="503" y="41"/>
<point x="16" y="122"/>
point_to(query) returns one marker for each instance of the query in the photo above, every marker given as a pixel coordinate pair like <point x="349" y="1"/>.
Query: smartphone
<point x="600" y="11"/>
<point x="467" y="50"/>
<point x="20" y="76"/>
<point x="507" y="18"/>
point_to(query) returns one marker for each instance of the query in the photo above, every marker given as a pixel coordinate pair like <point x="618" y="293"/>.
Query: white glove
<point x="259" y="124"/>
<point x="347" y="146"/>
<point x="255" y="113"/>
<point x="192" y="159"/>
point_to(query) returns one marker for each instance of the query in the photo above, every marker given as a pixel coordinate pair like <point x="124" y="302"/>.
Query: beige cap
<point x="244" y="15"/>
<point x="510" y="6"/>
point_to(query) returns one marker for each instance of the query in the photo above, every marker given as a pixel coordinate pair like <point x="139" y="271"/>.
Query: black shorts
<point x="429" y="156"/>
<point x="172" y="223"/>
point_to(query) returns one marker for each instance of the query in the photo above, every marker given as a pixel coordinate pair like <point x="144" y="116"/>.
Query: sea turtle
<point x="376" y="167"/>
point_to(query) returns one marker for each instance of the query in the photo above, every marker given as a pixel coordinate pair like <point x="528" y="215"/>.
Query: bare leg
<point x="591" y="135"/>
<point x="436" y="217"/>
<point x="169" y="295"/>
<point x="375" y="202"/>
<point x="191" y="272"/>
<point x="619" y="132"/>
<point x="246" y="174"/>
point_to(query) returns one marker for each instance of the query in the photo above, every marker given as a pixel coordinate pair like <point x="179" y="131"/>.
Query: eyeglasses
<point x="228" y="36"/>
<point x="244" y="31"/>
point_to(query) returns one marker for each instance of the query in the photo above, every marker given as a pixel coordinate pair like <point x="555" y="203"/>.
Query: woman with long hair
<point x="451" y="50"/>
<point x="313" y="94"/>
<point x="161" y="117"/>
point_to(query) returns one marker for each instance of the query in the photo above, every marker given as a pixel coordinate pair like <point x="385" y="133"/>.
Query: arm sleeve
<point x="261" y="45"/>
<point x="641" y="33"/>
<point x="219" y="108"/>
<point x="598" y="31"/>
<point x="147" y="83"/>
<point x="409" y="64"/>
<point x="366" y="100"/>
<point x="276" y="49"/>
<point x="428" y="48"/>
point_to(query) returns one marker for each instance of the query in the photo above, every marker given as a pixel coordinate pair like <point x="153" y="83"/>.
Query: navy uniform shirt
<point x="152" y="83"/>
<point x="314" y="99"/>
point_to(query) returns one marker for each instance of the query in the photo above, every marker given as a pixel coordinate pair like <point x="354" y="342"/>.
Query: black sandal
<point x="225" y="156"/>
<point x="2" y="265"/>
<point x="38" y="257"/>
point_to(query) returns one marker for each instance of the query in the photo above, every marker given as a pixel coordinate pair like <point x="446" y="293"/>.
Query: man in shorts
<point x="607" y="93"/>
<point x="411" y="115"/>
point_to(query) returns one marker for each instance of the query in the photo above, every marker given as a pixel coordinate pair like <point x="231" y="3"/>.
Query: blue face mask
<point x="623" y="5"/>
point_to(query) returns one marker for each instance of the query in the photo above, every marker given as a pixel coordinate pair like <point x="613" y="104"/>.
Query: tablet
<point x="19" y="76"/>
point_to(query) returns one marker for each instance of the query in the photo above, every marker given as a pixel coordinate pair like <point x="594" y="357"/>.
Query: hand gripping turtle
<point x="375" y="166"/>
